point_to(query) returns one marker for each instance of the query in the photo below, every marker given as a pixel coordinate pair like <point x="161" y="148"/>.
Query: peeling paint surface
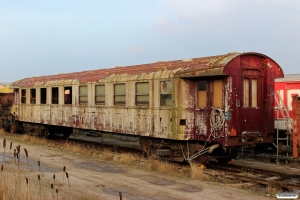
<point x="181" y="120"/>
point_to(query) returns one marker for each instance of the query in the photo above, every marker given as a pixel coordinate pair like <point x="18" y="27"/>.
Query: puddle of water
<point x="115" y="192"/>
<point x="101" y="167"/>
<point x="157" y="180"/>
<point x="30" y="164"/>
<point x="191" y="189"/>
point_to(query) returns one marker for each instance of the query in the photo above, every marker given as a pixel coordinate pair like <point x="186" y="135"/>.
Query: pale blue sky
<point x="51" y="37"/>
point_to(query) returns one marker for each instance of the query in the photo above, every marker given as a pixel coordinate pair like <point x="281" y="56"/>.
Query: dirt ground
<point x="96" y="179"/>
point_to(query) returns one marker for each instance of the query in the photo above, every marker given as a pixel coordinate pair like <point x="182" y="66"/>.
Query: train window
<point x="55" y="95"/>
<point x="120" y="94"/>
<point x="250" y="92"/>
<point x="32" y="96"/>
<point x="83" y="95"/>
<point x="201" y="94"/>
<point x="254" y="92"/>
<point x="166" y="93"/>
<point x="43" y="95"/>
<point x="23" y="96"/>
<point x="142" y="94"/>
<point x="217" y="93"/>
<point x="246" y="92"/>
<point x="68" y="95"/>
<point x="99" y="94"/>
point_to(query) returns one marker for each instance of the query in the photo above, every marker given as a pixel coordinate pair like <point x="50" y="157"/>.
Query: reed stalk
<point x="39" y="178"/>
<point x="51" y="185"/>
<point x="39" y="164"/>
<point x="27" y="187"/>
<point x="10" y="147"/>
<point x="56" y="189"/>
<point x="4" y="145"/>
<point x="67" y="175"/>
<point x="26" y="153"/>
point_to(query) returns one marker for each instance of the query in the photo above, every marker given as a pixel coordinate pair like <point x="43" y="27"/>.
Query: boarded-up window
<point x="83" y="95"/>
<point x="254" y="92"/>
<point x="166" y="93"/>
<point x="68" y="95"/>
<point x="32" y="96"/>
<point x="100" y="94"/>
<point x="246" y="92"/>
<point x="201" y="94"/>
<point x="217" y="93"/>
<point x="43" y="95"/>
<point x="23" y="96"/>
<point x="55" y="95"/>
<point x="120" y="94"/>
<point x="142" y="94"/>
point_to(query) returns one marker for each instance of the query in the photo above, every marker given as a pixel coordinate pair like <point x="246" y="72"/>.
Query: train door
<point x="252" y="105"/>
<point x="209" y="108"/>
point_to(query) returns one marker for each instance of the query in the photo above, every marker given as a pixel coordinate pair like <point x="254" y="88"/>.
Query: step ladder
<point x="284" y="112"/>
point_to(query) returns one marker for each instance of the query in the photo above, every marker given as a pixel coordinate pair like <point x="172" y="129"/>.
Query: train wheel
<point x="13" y="127"/>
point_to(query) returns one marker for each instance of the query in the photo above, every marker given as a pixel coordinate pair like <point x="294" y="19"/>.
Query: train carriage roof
<point x="289" y="78"/>
<point x="205" y="66"/>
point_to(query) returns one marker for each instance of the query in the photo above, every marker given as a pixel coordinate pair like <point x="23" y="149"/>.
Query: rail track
<point x="279" y="176"/>
<point x="246" y="171"/>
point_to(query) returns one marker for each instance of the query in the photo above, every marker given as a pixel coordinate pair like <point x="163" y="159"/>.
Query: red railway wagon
<point x="287" y="87"/>
<point x="180" y="110"/>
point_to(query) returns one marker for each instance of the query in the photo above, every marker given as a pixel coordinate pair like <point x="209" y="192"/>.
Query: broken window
<point x="55" y="95"/>
<point x="99" y="94"/>
<point x="166" y="93"/>
<point x="201" y="94"/>
<point x="23" y="96"/>
<point x="142" y="94"/>
<point x="68" y="95"/>
<point x="83" y="94"/>
<point x="32" y="96"/>
<point x="217" y="93"/>
<point x="120" y="94"/>
<point x="43" y="95"/>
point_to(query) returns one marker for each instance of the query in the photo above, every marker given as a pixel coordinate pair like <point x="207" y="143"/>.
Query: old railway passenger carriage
<point x="180" y="109"/>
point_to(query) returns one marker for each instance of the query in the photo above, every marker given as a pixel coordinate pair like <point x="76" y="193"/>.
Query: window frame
<point x="54" y="95"/>
<point x="99" y="95"/>
<point x="23" y="96"/>
<point x="82" y="96"/>
<point x="119" y="103"/>
<point x="201" y="99"/>
<point x="68" y="97"/>
<point x="141" y="94"/>
<point x="43" y="95"/>
<point x="167" y="94"/>
<point x="32" y="95"/>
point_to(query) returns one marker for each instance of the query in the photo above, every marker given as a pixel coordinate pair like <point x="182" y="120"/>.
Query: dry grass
<point x="135" y="161"/>
<point x="198" y="173"/>
<point x="18" y="182"/>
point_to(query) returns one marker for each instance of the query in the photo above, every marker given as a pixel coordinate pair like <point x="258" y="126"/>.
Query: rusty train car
<point x="181" y="110"/>
<point x="6" y="102"/>
<point x="287" y="87"/>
